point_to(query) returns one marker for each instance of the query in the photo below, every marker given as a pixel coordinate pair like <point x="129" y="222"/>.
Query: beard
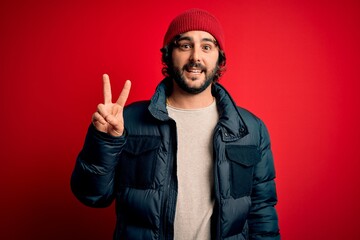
<point x="180" y="80"/>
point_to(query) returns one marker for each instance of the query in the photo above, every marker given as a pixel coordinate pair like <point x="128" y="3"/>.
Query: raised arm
<point x="92" y="180"/>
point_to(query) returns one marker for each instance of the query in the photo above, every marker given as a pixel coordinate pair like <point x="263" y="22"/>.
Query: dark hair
<point x="166" y="58"/>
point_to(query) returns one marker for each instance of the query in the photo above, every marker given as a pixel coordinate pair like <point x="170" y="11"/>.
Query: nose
<point x="195" y="54"/>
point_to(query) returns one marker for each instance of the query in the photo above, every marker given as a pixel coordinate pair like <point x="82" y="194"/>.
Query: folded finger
<point x="96" y="117"/>
<point x="102" y="111"/>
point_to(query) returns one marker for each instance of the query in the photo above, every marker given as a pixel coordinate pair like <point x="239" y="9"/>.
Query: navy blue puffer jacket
<point x="137" y="170"/>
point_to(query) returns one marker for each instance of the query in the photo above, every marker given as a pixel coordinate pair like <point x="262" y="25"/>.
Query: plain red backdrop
<point x="293" y="63"/>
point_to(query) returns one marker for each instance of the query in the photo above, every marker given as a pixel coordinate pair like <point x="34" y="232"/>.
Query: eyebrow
<point x="186" y="38"/>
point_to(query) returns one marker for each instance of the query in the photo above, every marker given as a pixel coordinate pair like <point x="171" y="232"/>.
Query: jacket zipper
<point x="167" y="191"/>
<point x="216" y="183"/>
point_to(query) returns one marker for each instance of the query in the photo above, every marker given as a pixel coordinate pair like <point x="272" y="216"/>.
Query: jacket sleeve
<point x="263" y="220"/>
<point x="92" y="180"/>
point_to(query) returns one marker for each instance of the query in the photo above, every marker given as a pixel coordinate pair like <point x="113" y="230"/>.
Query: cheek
<point x="212" y="59"/>
<point x="179" y="59"/>
<point x="177" y="62"/>
<point x="212" y="62"/>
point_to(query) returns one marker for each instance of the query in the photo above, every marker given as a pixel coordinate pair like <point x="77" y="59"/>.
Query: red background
<point x="293" y="63"/>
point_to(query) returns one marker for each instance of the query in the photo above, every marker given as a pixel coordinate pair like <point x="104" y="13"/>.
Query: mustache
<point x="194" y="65"/>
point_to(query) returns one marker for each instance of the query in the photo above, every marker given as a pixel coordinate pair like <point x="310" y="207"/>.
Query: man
<point x="189" y="163"/>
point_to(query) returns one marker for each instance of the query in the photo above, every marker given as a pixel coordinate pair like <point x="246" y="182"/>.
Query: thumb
<point x="116" y="127"/>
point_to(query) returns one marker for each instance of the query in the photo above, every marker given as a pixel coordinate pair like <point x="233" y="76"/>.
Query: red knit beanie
<point x="195" y="20"/>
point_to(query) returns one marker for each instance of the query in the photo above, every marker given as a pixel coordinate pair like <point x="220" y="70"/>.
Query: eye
<point x="207" y="47"/>
<point x="184" y="46"/>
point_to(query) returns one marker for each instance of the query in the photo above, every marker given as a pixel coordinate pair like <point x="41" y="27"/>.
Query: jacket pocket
<point x="242" y="160"/>
<point x="137" y="163"/>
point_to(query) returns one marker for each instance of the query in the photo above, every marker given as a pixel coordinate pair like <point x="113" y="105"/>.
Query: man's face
<point x="195" y="58"/>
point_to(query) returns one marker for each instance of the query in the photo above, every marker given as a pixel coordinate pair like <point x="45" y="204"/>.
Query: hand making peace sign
<point x="109" y="116"/>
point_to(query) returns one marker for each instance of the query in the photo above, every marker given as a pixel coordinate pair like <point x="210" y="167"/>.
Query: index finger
<point x="106" y="89"/>
<point x="124" y="93"/>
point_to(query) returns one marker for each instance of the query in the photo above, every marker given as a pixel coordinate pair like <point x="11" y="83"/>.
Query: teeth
<point x="195" y="71"/>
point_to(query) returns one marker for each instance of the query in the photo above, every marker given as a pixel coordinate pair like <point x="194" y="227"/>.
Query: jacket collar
<point x="157" y="106"/>
<point x="230" y="122"/>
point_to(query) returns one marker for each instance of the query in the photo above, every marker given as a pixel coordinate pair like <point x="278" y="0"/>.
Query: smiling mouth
<point x="194" y="68"/>
<point x="196" y="71"/>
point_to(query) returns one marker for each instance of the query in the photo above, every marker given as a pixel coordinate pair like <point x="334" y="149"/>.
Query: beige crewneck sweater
<point x="195" y="202"/>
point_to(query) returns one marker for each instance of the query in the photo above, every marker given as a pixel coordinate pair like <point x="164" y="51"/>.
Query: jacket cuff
<point x="101" y="149"/>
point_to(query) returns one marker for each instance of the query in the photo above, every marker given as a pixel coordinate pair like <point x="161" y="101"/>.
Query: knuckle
<point x="99" y="106"/>
<point x="96" y="115"/>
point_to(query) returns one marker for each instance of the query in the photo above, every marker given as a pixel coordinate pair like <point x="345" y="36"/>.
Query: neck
<point x="184" y="100"/>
